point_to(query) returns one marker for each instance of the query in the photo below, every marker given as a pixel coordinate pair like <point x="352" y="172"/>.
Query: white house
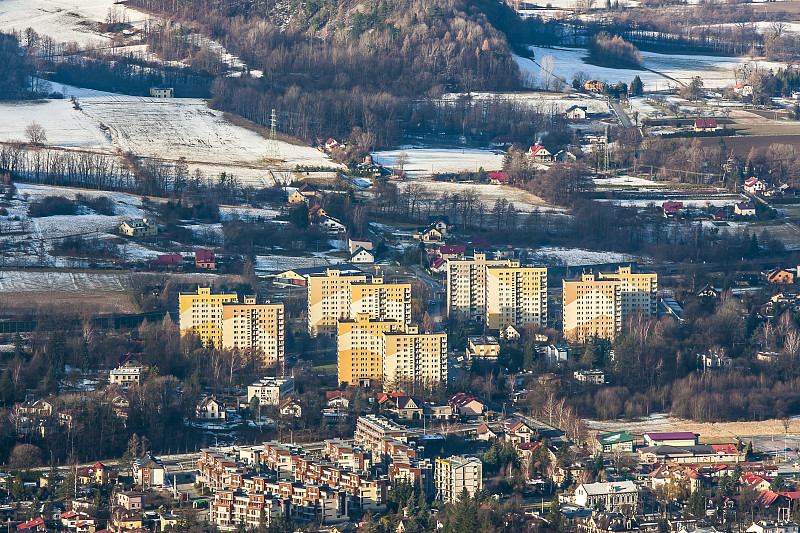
<point x="612" y="495"/>
<point x="354" y="244"/>
<point x="576" y="112"/>
<point x="362" y="256"/>
<point x="210" y="408"/>
<point x="763" y="526"/>
<point x="331" y="225"/>
<point x="754" y="186"/>
<point x="291" y="407"/>
<point x="148" y="471"/>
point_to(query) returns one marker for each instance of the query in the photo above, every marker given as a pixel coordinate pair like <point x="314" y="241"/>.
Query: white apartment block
<point x="453" y="475"/>
<point x="270" y="391"/>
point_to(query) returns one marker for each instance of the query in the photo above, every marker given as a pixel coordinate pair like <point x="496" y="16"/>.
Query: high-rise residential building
<point x="515" y="295"/>
<point x="390" y="351"/>
<point x="466" y="286"/>
<point x="223" y="323"/>
<point x="598" y="305"/>
<point x="333" y="295"/>
<point x="359" y="346"/>
<point x="498" y="292"/>
<point x="453" y="475"/>
<point x="413" y="357"/>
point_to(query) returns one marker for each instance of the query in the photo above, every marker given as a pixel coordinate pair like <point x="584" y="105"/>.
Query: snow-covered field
<point x="427" y="161"/>
<point x="27" y="281"/>
<point x="161" y="128"/>
<point x="555" y="255"/>
<point x="716" y="72"/>
<point x="64" y="20"/>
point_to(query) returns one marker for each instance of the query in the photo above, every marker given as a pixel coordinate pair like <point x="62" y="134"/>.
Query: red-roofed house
<point x="705" y="124"/>
<point x="452" y="252"/>
<point x="439" y="266"/>
<point x="540" y="154"/>
<point x="338" y="398"/>
<point x="37" y="524"/>
<point x="754" y="186"/>
<point x="206" y="259"/>
<point x="467" y="405"/>
<point x="168" y="260"/>
<point x="499" y="178"/>
<point x="672" y="209"/>
<point x="754" y="482"/>
<point x="330" y="144"/>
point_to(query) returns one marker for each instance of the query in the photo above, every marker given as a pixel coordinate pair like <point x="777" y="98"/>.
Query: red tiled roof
<point x="452" y="250"/>
<point x="205" y="256"/>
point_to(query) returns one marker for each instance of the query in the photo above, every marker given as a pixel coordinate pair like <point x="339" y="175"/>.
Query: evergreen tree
<point x="636" y="87"/>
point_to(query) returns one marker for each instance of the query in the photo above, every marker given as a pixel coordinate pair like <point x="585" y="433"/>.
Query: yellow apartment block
<point x="201" y="312"/>
<point x="413" y="357"/>
<point x="598" y="305"/>
<point x="515" y="295"/>
<point x="466" y="285"/>
<point x="333" y="296"/>
<point x="224" y="323"/>
<point x="360" y="348"/>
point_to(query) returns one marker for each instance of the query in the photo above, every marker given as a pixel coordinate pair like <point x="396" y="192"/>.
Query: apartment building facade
<point x="412" y="357"/>
<point x="222" y="322"/>
<point x="253" y="326"/>
<point x="466" y="286"/>
<point x="359" y="345"/>
<point x="598" y="305"/>
<point x="334" y="295"/>
<point x="497" y="292"/>
<point x="372" y="430"/>
<point x="454" y="474"/>
<point x="270" y="391"/>
<point x="515" y="295"/>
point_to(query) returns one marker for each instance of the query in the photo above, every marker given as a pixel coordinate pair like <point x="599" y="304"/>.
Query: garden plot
<point x="426" y="161"/>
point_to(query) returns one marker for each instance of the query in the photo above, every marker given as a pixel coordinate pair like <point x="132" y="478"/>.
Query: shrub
<point x="614" y="52"/>
<point x="52" y="205"/>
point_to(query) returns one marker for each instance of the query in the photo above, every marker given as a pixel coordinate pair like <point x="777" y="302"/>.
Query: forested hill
<point x="332" y="65"/>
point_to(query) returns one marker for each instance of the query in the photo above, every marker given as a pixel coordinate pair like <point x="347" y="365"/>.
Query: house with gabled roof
<point x="290" y="407"/>
<point x="754" y="186"/>
<point x="576" y="112"/>
<point x="705" y="125"/>
<point x="362" y="256"/>
<point x="209" y="408"/>
<point x="306" y="193"/>
<point x="499" y="178"/>
<point x="744" y="209"/>
<point x="439" y="266"/>
<point x="540" y="154"/>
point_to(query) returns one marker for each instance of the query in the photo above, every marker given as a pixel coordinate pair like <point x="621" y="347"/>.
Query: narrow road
<point x="434" y="306"/>
<point x="621" y="115"/>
